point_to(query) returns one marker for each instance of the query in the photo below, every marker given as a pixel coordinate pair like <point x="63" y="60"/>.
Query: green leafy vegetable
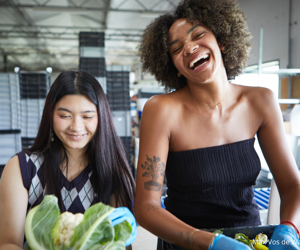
<point x="243" y="238"/>
<point x="39" y="224"/>
<point x="219" y="231"/>
<point x="94" y="232"/>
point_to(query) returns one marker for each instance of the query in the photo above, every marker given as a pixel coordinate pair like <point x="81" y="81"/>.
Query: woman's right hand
<point x="222" y="242"/>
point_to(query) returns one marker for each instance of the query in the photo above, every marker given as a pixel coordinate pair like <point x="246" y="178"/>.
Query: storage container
<point x="31" y="114"/>
<point x="122" y="122"/>
<point x="34" y="85"/>
<point x="93" y="66"/>
<point x="91" y="39"/>
<point x="10" y="144"/>
<point x="9" y="102"/>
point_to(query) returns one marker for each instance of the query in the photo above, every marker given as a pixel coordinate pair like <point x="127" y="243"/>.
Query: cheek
<point x="58" y="124"/>
<point x="177" y="62"/>
<point x="92" y="126"/>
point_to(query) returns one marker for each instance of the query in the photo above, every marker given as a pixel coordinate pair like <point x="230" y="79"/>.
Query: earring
<point x="179" y="74"/>
<point x="52" y="137"/>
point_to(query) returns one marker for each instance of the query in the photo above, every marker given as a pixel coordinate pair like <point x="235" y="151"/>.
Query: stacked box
<point x="92" y="55"/>
<point x="10" y="144"/>
<point x="118" y="87"/>
<point x="10" y="117"/>
<point x="34" y="88"/>
<point x="10" y="112"/>
<point x="27" y="142"/>
<point x="127" y="143"/>
<point x="119" y="101"/>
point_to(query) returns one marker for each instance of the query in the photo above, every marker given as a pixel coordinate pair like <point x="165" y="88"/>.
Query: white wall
<point x="273" y="16"/>
<point x="295" y="34"/>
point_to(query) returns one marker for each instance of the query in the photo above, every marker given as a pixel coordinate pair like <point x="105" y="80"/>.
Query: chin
<point x="80" y="145"/>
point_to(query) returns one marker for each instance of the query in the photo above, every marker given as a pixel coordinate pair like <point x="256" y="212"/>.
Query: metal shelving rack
<point x="281" y="72"/>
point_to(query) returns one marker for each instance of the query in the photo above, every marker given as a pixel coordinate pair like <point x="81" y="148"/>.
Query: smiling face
<point x="75" y="121"/>
<point x="195" y="51"/>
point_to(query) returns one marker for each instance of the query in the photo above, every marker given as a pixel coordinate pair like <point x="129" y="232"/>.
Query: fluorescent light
<point x="17" y="69"/>
<point x="278" y="72"/>
<point x="49" y="70"/>
<point x="289" y="101"/>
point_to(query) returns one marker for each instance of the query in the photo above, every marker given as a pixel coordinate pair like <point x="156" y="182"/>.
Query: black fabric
<point x="211" y="188"/>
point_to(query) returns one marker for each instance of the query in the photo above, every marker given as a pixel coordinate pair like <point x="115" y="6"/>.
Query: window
<point x="270" y="81"/>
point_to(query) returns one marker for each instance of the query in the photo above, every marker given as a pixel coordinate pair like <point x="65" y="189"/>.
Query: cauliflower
<point x="46" y="228"/>
<point x="68" y="222"/>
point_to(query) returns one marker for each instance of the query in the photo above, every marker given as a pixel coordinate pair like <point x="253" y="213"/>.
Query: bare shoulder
<point x="12" y="165"/>
<point x="259" y="97"/>
<point x="165" y="101"/>
<point x="162" y="105"/>
<point x="12" y="173"/>
<point x="14" y="161"/>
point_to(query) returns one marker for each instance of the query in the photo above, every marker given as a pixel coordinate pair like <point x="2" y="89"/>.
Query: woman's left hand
<point x="284" y="238"/>
<point x="123" y="213"/>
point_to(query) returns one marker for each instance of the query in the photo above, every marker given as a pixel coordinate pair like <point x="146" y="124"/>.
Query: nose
<point x="77" y="124"/>
<point x="190" y="48"/>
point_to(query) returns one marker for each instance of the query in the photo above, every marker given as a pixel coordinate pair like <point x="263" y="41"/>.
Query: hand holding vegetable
<point x="222" y="242"/>
<point x="284" y="238"/>
<point x="119" y="215"/>
<point x="46" y="228"/>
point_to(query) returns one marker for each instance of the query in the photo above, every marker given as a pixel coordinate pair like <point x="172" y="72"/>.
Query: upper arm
<point x="155" y="133"/>
<point x="273" y="142"/>
<point x="13" y="204"/>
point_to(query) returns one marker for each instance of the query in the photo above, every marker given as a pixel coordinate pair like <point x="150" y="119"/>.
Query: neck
<point x="210" y="94"/>
<point x="76" y="157"/>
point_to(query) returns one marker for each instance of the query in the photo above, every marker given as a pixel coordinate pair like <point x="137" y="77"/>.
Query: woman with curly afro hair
<point x="201" y="135"/>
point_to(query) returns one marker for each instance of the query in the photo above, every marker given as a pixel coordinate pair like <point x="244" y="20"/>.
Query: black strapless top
<point x="212" y="187"/>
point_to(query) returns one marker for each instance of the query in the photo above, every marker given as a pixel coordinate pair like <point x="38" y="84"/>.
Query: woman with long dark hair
<point x="77" y="156"/>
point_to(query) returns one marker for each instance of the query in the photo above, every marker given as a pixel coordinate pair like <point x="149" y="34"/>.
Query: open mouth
<point x="204" y="58"/>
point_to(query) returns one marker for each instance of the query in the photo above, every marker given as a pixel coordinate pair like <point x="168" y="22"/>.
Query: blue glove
<point x="119" y="215"/>
<point x="222" y="242"/>
<point x="284" y="237"/>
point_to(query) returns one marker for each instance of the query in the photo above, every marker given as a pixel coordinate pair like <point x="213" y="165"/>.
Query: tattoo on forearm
<point x="153" y="208"/>
<point x="187" y="237"/>
<point x="153" y="168"/>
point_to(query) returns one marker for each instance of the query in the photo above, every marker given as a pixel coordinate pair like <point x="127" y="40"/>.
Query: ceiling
<point x="35" y="34"/>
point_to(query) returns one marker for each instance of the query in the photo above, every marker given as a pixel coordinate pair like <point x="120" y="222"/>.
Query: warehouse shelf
<point x="27" y="142"/>
<point x="9" y="102"/>
<point x="10" y="144"/>
<point x="91" y="39"/>
<point x="94" y="66"/>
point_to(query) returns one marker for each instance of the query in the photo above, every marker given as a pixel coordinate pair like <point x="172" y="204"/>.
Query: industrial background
<point x="41" y="38"/>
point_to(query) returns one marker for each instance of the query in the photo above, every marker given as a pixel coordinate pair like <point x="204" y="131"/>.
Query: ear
<point x="221" y="47"/>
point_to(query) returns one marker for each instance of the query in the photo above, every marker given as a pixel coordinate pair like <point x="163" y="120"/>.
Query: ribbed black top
<point x="212" y="187"/>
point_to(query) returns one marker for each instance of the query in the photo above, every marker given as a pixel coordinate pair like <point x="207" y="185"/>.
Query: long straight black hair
<point x="111" y="172"/>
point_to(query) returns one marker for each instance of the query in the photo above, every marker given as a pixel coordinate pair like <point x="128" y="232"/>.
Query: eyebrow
<point x="190" y="30"/>
<point x="86" y="111"/>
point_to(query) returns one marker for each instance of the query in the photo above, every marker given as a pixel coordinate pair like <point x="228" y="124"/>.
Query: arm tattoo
<point x="153" y="168"/>
<point x="187" y="237"/>
<point x="153" y="208"/>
